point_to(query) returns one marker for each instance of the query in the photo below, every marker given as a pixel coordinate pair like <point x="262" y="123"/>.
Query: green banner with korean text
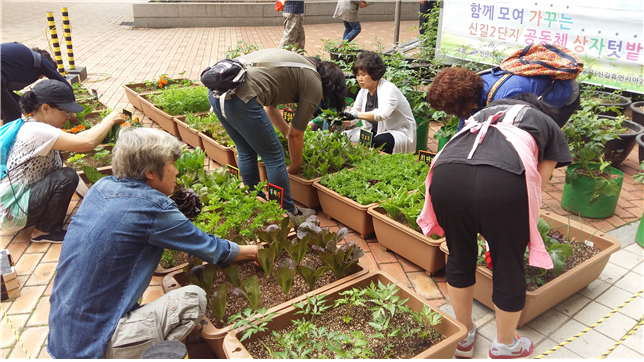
<point x="607" y="35"/>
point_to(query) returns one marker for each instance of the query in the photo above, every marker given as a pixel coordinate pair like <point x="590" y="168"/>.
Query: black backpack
<point x="225" y="75"/>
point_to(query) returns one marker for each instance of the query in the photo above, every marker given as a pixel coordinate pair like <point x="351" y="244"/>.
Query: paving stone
<point x="381" y="254"/>
<point x="50" y="287"/>
<point x="616" y="326"/>
<point x="33" y="339"/>
<point x="22" y="280"/>
<point x="442" y="286"/>
<point x="396" y="271"/>
<point x="591" y="344"/>
<point x="561" y="353"/>
<point x="370" y="263"/>
<point x="614" y="297"/>
<point x="37" y="248"/>
<point x="635" y="341"/>
<point x="44" y="354"/>
<point x="626" y="259"/>
<point x="572" y="304"/>
<point x="42" y="275"/>
<point x="547" y="322"/>
<point x="24" y="236"/>
<point x="631" y="282"/>
<point x="53" y="253"/>
<point x="591" y="313"/>
<point x="8" y="338"/>
<point x="325" y="220"/>
<point x="28" y="263"/>
<point x="635" y="248"/>
<point x="436" y="303"/>
<point x="4" y="352"/>
<point x="424" y="285"/>
<point x="612" y="273"/>
<point x="27" y="300"/>
<point x="407" y="265"/>
<point x="356" y="238"/>
<point x="481" y="347"/>
<point x="16" y="250"/>
<point x="5" y="239"/>
<point x="156" y="280"/>
<point x="594" y="289"/>
<point x="624" y="352"/>
<point x="40" y="316"/>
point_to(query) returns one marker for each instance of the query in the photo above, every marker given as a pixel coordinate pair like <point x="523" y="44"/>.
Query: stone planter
<point x="302" y="191"/>
<point x="215" y="336"/>
<point x="453" y="331"/>
<point x="163" y="119"/>
<point x="567" y="284"/>
<point x="407" y="242"/>
<point x="345" y="210"/>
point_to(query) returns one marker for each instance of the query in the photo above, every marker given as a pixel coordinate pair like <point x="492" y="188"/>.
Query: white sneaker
<point x="521" y="349"/>
<point x="465" y="348"/>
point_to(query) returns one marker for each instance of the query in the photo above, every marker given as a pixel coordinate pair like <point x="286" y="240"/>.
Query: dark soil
<point x="580" y="253"/>
<point x="596" y="173"/>
<point x="402" y="348"/>
<point x="179" y="258"/>
<point x="271" y="293"/>
<point x="91" y="162"/>
<point x="403" y="220"/>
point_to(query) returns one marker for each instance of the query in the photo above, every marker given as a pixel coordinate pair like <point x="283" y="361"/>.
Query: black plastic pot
<point x="640" y="141"/>
<point x="638" y="115"/>
<point x="347" y="58"/>
<point x="620" y="102"/>
<point x="618" y="149"/>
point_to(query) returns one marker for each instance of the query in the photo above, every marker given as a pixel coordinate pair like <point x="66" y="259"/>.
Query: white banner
<point x="606" y="35"/>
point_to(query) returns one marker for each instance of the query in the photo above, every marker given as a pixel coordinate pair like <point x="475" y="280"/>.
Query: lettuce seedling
<point x="232" y="276"/>
<point x="250" y="291"/>
<point x="339" y="259"/>
<point x="298" y="248"/>
<point x="310" y="274"/>
<point x="217" y="303"/>
<point x="276" y="235"/>
<point x="285" y="274"/>
<point x="266" y="258"/>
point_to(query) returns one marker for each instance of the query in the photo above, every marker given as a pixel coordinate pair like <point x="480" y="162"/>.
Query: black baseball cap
<point x="53" y="91"/>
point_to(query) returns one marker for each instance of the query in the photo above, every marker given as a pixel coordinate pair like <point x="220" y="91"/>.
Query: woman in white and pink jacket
<point x="488" y="180"/>
<point x="380" y="108"/>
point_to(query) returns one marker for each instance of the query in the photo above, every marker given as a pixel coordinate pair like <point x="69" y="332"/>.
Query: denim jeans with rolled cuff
<point x="351" y="30"/>
<point x="49" y="200"/>
<point x="249" y="127"/>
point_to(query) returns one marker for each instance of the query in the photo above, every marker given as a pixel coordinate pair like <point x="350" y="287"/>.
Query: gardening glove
<point x="348" y="116"/>
<point x="279" y="5"/>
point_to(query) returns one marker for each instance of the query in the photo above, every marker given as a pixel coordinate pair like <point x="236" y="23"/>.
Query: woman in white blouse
<point x="381" y="108"/>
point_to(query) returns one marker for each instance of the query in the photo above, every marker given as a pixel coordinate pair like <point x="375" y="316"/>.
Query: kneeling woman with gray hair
<point x="112" y="247"/>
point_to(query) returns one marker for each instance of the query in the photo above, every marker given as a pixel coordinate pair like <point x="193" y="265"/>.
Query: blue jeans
<point x="249" y="127"/>
<point x="351" y="30"/>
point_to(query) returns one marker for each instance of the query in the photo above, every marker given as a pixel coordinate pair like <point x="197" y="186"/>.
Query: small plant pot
<point x="132" y="95"/>
<point x="565" y="285"/>
<point x="407" y="242"/>
<point x="640" y="142"/>
<point x="302" y="191"/>
<point x="189" y="135"/>
<point x="163" y="119"/>
<point x="221" y="154"/>
<point x="421" y="68"/>
<point x="453" y="331"/>
<point x="215" y="336"/>
<point x="639" y="236"/>
<point x="576" y="195"/>
<point x="345" y="210"/>
<point x="617" y="100"/>
<point x="638" y="112"/>
<point x="618" y="149"/>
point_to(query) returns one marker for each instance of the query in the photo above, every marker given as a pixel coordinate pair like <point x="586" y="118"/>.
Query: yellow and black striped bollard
<point x="68" y="39"/>
<point x="54" y="40"/>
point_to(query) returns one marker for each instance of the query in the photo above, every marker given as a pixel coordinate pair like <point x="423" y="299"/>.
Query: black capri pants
<point x="487" y="200"/>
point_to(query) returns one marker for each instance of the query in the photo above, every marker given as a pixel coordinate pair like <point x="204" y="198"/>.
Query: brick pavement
<point x="126" y="54"/>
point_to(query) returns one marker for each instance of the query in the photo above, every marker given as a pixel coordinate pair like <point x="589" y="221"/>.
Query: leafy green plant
<point x="342" y="47"/>
<point x="74" y="158"/>
<point x="175" y="100"/>
<point x="92" y="173"/>
<point x="251" y="322"/>
<point x="428" y="319"/>
<point x="385" y="299"/>
<point x="242" y="48"/>
<point x="285" y="274"/>
<point x="353" y="297"/>
<point x="430" y="33"/>
<point x="314" y="306"/>
<point x="639" y="177"/>
<point x="310" y="274"/>
<point x="339" y="259"/>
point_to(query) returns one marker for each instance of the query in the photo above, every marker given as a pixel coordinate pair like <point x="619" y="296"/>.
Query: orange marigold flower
<point x="80" y="127"/>
<point x="65" y="130"/>
<point x="126" y="125"/>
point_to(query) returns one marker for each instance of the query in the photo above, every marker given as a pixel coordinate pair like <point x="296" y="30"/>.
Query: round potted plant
<point x="638" y="112"/>
<point x="615" y="103"/>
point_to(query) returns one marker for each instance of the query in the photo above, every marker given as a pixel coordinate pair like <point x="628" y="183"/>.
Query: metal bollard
<point x="68" y="39"/>
<point x="54" y="40"/>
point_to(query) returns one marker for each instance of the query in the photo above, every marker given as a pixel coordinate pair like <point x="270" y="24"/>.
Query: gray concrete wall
<point x="259" y="13"/>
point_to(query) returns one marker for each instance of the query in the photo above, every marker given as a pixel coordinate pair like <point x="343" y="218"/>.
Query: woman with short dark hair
<point x="381" y="108"/>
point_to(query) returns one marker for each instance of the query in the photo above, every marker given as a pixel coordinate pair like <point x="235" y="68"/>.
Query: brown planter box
<point x="407" y="242"/>
<point x="164" y="120"/>
<point x="215" y="336"/>
<point x="302" y="191"/>
<point x="567" y="284"/>
<point x="189" y="135"/>
<point x="453" y="331"/>
<point x="263" y="176"/>
<point x="345" y="210"/>
<point x="107" y="171"/>
<point x="132" y="95"/>
<point x="162" y="272"/>
<point x="221" y="154"/>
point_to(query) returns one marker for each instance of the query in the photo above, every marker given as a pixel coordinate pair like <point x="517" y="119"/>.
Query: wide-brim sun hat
<point x="52" y="91"/>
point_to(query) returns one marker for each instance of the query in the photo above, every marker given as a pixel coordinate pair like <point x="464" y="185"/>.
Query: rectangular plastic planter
<point x="567" y="284"/>
<point x="221" y="154"/>
<point x="407" y="242"/>
<point x="215" y="336"/>
<point x="132" y="95"/>
<point x="345" y="210"/>
<point x="302" y="191"/>
<point x="188" y="135"/>
<point x="163" y="119"/>
<point x="453" y="331"/>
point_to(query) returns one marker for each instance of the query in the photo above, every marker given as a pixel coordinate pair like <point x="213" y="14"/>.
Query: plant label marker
<point x="425" y="156"/>
<point x="276" y="193"/>
<point x="128" y="114"/>
<point x="366" y="138"/>
<point x="234" y="170"/>
<point x="288" y="115"/>
<point x="95" y="94"/>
